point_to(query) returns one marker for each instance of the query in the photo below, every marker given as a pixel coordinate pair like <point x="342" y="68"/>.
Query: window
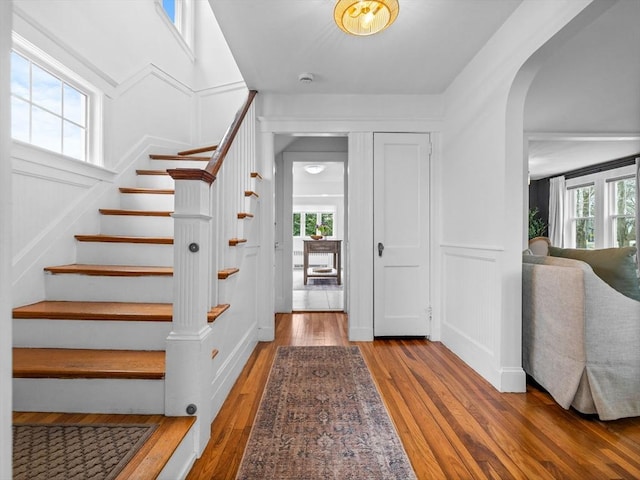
<point x="601" y="209"/>
<point x="623" y="212"/>
<point x="582" y="218"/>
<point x="169" y="7"/>
<point x="47" y="110"/>
<point x="178" y="14"/>
<point x="313" y="222"/>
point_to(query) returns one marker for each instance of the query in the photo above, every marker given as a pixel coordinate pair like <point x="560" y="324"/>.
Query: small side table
<point x="323" y="246"/>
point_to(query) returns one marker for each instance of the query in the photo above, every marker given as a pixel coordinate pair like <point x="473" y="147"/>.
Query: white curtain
<point x="556" y="211"/>
<point x="638" y="209"/>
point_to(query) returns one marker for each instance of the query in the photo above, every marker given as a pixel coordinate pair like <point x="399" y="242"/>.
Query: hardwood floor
<point x="453" y="424"/>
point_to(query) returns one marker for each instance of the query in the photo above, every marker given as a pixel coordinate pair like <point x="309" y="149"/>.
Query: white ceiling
<point x="583" y="106"/>
<point x="590" y="87"/>
<point x="273" y="41"/>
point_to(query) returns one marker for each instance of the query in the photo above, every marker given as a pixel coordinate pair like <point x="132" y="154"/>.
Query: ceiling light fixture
<point x="314" y="169"/>
<point x="363" y="17"/>
<point x="305" y="77"/>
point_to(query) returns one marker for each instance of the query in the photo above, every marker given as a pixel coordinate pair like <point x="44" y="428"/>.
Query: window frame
<point x="612" y="216"/>
<point x="572" y="219"/>
<point x="93" y="107"/>
<point x="182" y="27"/>
<point x="603" y="223"/>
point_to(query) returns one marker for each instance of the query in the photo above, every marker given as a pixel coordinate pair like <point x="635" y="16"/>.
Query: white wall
<point x="5" y="243"/>
<point x="159" y="96"/>
<point x="483" y="164"/>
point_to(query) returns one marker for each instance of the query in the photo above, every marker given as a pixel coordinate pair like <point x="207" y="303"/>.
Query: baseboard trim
<point x="361" y="334"/>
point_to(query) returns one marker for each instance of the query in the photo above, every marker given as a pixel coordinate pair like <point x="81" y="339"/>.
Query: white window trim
<point x="603" y="224"/>
<point x="94" y="122"/>
<point x="183" y="29"/>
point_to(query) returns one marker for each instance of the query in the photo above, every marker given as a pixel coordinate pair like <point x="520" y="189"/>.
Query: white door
<point x="401" y="234"/>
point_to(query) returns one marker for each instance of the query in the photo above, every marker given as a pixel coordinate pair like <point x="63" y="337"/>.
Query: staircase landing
<point x="152" y="457"/>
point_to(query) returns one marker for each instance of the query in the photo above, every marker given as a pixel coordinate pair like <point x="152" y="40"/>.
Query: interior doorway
<point x="311" y="203"/>
<point x="318" y="233"/>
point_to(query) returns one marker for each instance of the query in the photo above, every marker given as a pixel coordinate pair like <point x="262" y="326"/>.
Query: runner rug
<point x="321" y="417"/>
<point x="64" y="451"/>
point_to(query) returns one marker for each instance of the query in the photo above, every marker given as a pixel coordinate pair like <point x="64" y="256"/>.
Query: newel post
<point x="188" y="353"/>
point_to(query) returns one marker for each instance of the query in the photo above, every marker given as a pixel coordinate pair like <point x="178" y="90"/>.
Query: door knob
<point x="380" y="248"/>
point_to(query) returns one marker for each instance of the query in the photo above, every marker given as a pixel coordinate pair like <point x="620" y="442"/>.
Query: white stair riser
<point x="88" y="395"/>
<point x="226" y="288"/>
<point x="155" y="181"/>
<point x="245" y="228"/>
<point x="171" y="164"/>
<point x="106" y="253"/>
<point x="80" y="288"/>
<point x="136" y="225"/>
<point x="146" y="201"/>
<point x="250" y="204"/>
<point x="90" y="334"/>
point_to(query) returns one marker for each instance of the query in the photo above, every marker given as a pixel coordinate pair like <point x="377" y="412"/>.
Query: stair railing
<point x="198" y="234"/>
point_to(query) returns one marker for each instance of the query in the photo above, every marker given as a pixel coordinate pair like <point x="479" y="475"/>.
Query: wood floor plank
<point x="453" y="424"/>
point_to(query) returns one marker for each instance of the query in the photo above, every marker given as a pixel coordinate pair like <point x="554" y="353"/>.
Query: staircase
<point x="99" y="341"/>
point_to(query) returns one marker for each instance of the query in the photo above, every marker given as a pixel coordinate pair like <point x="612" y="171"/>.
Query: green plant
<point x="323" y="229"/>
<point x="537" y="226"/>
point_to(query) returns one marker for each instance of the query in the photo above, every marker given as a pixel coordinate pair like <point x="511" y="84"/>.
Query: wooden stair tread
<point x="114" y="311"/>
<point x="256" y="175"/>
<point x="218" y="310"/>
<point x="53" y="310"/>
<point x="236" y="241"/>
<point x="111" y="270"/>
<point x="242" y="215"/>
<point x="84" y="363"/>
<point x="155" y="191"/>
<point x="208" y="148"/>
<point x="250" y="193"/>
<point x="152" y="172"/>
<point x="158" y="450"/>
<point x="227" y="272"/>
<point x="124" y="239"/>
<point x="141" y="213"/>
<point x="152" y="456"/>
<point x="179" y="157"/>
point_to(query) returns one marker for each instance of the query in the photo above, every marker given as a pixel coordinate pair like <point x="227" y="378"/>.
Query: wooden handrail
<point x="214" y="165"/>
<point x="208" y="174"/>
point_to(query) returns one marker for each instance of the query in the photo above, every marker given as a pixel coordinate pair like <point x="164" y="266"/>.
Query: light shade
<point x="363" y="17"/>
<point x="314" y="169"/>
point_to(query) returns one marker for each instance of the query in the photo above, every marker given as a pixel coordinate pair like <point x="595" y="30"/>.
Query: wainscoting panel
<point x="40" y="199"/>
<point x="471" y="305"/>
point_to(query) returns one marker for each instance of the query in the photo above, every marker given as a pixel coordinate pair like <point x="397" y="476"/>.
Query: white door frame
<point x="284" y="208"/>
<point x="358" y="245"/>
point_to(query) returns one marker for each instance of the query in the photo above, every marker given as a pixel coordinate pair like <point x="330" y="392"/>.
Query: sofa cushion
<point x="616" y="266"/>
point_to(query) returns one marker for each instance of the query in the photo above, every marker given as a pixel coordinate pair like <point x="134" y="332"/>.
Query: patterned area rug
<point x="321" y="417"/>
<point x="66" y="451"/>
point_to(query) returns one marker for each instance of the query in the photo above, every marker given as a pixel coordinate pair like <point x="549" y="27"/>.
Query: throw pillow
<point x="616" y="266"/>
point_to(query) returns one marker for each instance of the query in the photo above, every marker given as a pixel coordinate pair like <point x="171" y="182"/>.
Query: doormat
<point x="65" y="451"/>
<point x="321" y="417"/>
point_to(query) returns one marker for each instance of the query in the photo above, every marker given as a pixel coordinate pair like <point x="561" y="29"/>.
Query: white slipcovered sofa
<point x="581" y="338"/>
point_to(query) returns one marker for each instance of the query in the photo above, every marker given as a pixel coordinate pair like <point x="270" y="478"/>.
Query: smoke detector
<point x="305" y="77"/>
